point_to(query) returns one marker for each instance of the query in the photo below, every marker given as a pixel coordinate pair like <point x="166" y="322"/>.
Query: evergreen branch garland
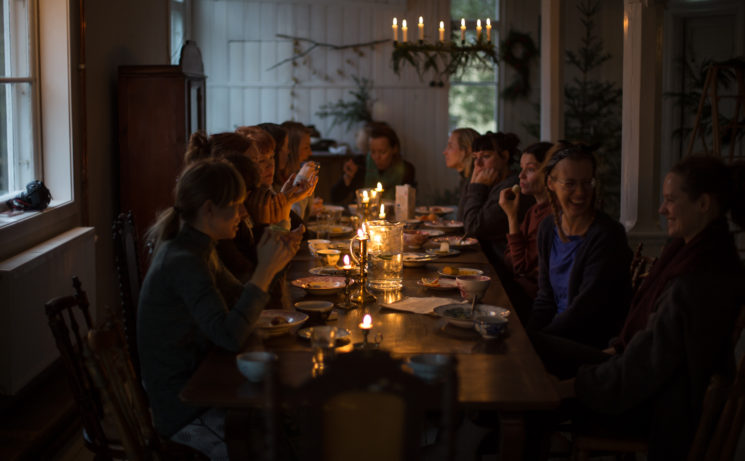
<point x="445" y="59"/>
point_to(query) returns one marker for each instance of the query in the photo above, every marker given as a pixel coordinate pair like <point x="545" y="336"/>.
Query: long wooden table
<point x="504" y="374"/>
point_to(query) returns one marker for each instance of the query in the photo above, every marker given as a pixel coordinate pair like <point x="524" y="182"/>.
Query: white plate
<point x="444" y="225"/>
<point x="435" y="209"/>
<point x="437" y="252"/>
<point x="461" y="271"/>
<point x="416" y="259"/>
<point x="332" y="231"/>
<point x="455" y="241"/>
<point x="290" y="320"/>
<point x="332" y="270"/>
<point x="442" y="284"/>
<point x="333" y="209"/>
<point x="458" y="315"/>
<point x="341" y="333"/>
<point x="431" y="232"/>
<point x="320" y="285"/>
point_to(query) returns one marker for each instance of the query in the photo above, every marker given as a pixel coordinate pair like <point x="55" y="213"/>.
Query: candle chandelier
<point x="444" y="58"/>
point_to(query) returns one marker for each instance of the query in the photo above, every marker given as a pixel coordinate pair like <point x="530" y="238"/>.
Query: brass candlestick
<point x="362" y="296"/>
<point x="347" y="304"/>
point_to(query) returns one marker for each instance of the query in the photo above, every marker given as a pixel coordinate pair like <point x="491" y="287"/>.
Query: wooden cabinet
<point x="159" y="108"/>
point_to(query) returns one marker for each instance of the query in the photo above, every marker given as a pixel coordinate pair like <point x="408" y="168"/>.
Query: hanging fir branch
<point x="444" y="59"/>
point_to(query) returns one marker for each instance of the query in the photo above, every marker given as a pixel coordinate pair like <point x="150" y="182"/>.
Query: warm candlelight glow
<point x="421" y="28"/>
<point x="374" y="193"/>
<point x="379" y="187"/>
<point x="346" y="262"/>
<point x="360" y="233"/>
<point x="377" y="239"/>
<point x="462" y="30"/>
<point x="488" y="29"/>
<point x="404" y="29"/>
<point x="395" y="29"/>
<point x="382" y="210"/>
<point x="365" y="197"/>
<point x="478" y="30"/>
<point x="442" y="30"/>
<point x="366" y="322"/>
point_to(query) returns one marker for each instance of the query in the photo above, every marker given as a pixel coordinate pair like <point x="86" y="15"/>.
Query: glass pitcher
<point x="385" y="247"/>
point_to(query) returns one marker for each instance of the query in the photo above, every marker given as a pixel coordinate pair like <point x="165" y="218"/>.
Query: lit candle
<point x="379" y="187"/>
<point x="395" y="29"/>
<point x="360" y="234"/>
<point x="462" y="30"/>
<point x="404" y="29"/>
<point x="478" y="30"/>
<point x="442" y="30"/>
<point x="382" y="211"/>
<point x="347" y="266"/>
<point x="366" y="322"/>
<point x="421" y="28"/>
<point x="488" y="30"/>
<point x="365" y="197"/>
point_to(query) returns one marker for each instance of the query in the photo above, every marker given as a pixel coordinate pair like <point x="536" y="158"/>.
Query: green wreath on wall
<point x="518" y="50"/>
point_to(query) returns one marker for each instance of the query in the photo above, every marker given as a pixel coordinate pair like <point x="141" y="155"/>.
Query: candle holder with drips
<point x="361" y="296"/>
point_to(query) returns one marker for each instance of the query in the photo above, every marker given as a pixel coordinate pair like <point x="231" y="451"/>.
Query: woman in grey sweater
<point x="190" y="302"/>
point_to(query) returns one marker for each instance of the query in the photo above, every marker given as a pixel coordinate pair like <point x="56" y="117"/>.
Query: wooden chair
<point x="70" y="320"/>
<point x="127" y="262"/>
<point x="640" y="267"/>
<point x="114" y="378"/>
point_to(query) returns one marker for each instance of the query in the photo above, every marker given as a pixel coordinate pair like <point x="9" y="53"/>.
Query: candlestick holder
<point x="347" y="302"/>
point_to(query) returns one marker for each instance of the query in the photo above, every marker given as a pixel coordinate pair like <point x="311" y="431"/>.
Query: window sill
<point x="23" y="230"/>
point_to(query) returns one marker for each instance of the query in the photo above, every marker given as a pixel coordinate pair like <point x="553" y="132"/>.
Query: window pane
<point x="473" y="9"/>
<point x="16" y="137"/>
<point x="15" y="59"/>
<point x="473" y="106"/>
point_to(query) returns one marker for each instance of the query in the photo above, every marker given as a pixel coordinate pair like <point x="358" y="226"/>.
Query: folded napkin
<point x="419" y="305"/>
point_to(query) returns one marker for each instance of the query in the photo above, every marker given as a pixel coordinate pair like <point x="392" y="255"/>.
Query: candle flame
<point x="379" y="187"/>
<point x="382" y="211"/>
<point x="346" y="260"/>
<point x="403" y="23"/>
<point x="488" y="22"/>
<point x="367" y="320"/>
<point x="442" y="25"/>
<point x="462" y="23"/>
<point x="478" y="23"/>
<point x="360" y="233"/>
<point x="364" y="228"/>
<point x="395" y="21"/>
<point x="365" y="197"/>
<point x="421" y="20"/>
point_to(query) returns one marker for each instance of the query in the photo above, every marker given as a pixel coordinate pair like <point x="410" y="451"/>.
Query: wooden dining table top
<point x="502" y="374"/>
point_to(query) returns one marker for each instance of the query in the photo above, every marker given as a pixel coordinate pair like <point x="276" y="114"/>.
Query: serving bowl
<point x="276" y="322"/>
<point x="317" y="311"/>
<point x="254" y="365"/>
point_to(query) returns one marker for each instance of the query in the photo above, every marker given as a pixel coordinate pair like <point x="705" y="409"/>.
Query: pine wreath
<point x="517" y="51"/>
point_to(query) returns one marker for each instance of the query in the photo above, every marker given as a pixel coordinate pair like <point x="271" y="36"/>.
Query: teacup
<point x="255" y="365"/>
<point x="318" y="244"/>
<point x="490" y="326"/>
<point x="329" y="256"/>
<point x="472" y="285"/>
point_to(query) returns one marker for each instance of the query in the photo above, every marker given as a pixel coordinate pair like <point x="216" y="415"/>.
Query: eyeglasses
<point x="570" y="185"/>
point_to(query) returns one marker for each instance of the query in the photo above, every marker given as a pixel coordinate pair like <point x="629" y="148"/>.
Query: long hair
<point x="261" y="140"/>
<point x="465" y="138"/>
<point x="295" y="133"/>
<point x="709" y="175"/>
<point x="210" y="179"/>
<point x="560" y="151"/>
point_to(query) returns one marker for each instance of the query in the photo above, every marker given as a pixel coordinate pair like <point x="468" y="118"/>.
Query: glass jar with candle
<point x="385" y="255"/>
<point x="368" y="203"/>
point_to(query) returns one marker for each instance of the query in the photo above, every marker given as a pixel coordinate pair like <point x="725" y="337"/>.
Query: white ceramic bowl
<point x="490" y="326"/>
<point x="429" y="366"/>
<point x="254" y="365"/>
<point x="317" y="311"/>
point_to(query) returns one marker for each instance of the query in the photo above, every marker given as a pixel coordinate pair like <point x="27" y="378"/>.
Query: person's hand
<point x="487" y="176"/>
<point x="259" y="206"/>
<point x="350" y="170"/>
<point x="300" y="191"/>
<point x="509" y="200"/>
<point x="275" y="249"/>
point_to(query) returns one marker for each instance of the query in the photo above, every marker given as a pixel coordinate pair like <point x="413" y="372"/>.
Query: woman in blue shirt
<point x="584" y="284"/>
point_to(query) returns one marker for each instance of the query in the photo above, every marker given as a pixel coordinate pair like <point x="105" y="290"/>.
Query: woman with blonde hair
<point x="458" y="157"/>
<point x="190" y="302"/>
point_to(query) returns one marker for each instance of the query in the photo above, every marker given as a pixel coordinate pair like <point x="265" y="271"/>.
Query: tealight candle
<point x="462" y="30"/>
<point x="366" y="322"/>
<point x="382" y="211"/>
<point x="395" y="30"/>
<point x="488" y="30"/>
<point x="347" y="266"/>
<point x="441" y="30"/>
<point x="404" y="29"/>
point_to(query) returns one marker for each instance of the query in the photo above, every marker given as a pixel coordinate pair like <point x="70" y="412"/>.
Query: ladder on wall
<point x="710" y="92"/>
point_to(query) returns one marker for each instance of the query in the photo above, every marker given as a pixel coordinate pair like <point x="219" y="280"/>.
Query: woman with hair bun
<point x="190" y="302"/>
<point x="483" y="217"/>
<point x="679" y="330"/>
<point x="459" y="156"/>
